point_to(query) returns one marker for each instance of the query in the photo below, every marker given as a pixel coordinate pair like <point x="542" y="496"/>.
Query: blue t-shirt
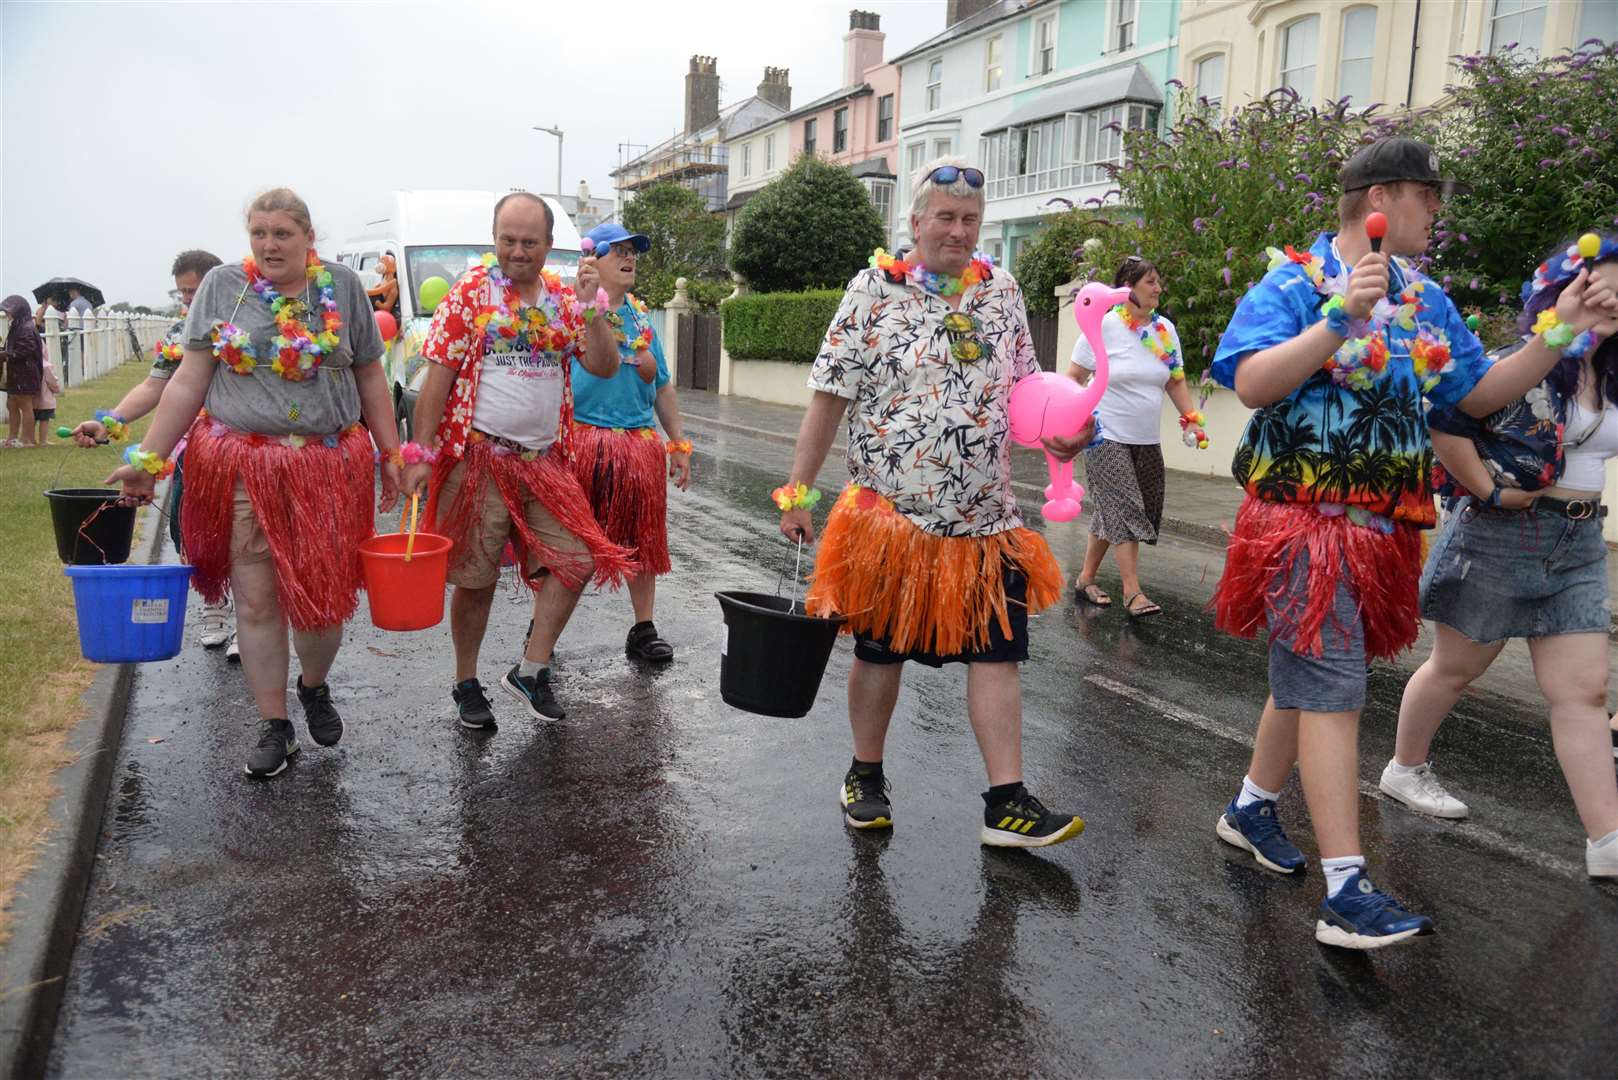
<point x="1354" y="433"/>
<point x="625" y="400"/>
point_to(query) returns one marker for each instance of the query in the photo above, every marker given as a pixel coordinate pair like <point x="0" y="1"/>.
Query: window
<point x="1354" y="59"/>
<point x="935" y="84"/>
<point x="1519" y="21"/>
<point x="1210" y="80"/>
<point x="839" y="130"/>
<point x="993" y="249"/>
<point x="881" y="192"/>
<point x="809" y="136"/>
<point x="1124" y="39"/>
<point x="943" y="147"/>
<point x="884" y="118"/>
<point x="747" y="159"/>
<point x="769" y="152"/>
<point x="1597" y="19"/>
<point x="1045" y="46"/>
<point x="992" y="68"/>
<point x="917" y="157"/>
<point x="1300" y="48"/>
<point x="1061" y="152"/>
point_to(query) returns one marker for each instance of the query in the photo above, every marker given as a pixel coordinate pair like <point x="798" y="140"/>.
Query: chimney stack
<point x="862" y="46"/>
<point x="775" y="89"/>
<point x="964" y="9"/>
<point x="701" y="93"/>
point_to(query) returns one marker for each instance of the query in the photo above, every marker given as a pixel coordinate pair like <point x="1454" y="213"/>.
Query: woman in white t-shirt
<point x="1124" y="470"/>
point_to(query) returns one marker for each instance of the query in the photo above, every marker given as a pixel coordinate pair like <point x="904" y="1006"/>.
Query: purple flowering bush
<point x="1204" y="201"/>
<point x="1538" y="142"/>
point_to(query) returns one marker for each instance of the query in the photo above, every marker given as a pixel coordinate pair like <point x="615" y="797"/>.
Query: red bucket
<point x="405" y="595"/>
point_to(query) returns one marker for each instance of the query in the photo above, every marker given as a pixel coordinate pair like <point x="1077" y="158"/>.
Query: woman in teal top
<point x="618" y="456"/>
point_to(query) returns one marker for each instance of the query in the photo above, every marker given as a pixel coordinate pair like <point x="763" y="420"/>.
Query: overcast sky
<point x="130" y="131"/>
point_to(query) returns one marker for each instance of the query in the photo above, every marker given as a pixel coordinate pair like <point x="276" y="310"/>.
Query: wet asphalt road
<point x="662" y="886"/>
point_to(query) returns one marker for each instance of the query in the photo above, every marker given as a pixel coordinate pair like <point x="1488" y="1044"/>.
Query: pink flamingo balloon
<point x="1050" y="404"/>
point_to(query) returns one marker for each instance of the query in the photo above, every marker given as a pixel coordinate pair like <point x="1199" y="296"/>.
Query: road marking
<point x="1471" y="830"/>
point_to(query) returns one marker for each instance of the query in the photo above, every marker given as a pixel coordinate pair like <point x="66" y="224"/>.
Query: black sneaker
<point x="277" y="742"/>
<point x="325" y="726"/>
<point x="1023" y="821"/>
<point x="645" y="644"/>
<point x="534" y="691"/>
<point x="472" y="705"/>
<point x="865" y="802"/>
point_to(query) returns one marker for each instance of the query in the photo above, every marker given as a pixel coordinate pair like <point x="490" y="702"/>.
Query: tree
<point x="687" y="241"/>
<point x="813" y="227"/>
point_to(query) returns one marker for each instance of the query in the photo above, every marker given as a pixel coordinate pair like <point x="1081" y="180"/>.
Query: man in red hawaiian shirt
<point x="501" y="348"/>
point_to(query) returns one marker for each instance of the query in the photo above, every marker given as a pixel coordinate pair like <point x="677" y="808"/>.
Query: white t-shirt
<point x="1585" y="467"/>
<point x="519" y="393"/>
<point x="1132" y="407"/>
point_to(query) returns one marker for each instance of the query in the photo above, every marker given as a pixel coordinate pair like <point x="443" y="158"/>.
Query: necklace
<point x="628" y="349"/>
<point x="539" y="326"/>
<point x="1156" y="336"/>
<point x="299" y="350"/>
<point x="913" y="270"/>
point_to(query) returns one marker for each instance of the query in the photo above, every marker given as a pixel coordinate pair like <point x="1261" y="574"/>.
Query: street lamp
<point x="558" y="133"/>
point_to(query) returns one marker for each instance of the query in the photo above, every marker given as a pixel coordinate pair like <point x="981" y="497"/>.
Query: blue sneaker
<point x="1361" y="916"/>
<point x="1255" y="828"/>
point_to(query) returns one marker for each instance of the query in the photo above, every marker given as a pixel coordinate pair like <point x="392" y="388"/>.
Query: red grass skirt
<point x="1383" y="572"/>
<point x="624" y="475"/>
<point x="312" y="501"/>
<point x="919" y="591"/>
<point x="517" y="478"/>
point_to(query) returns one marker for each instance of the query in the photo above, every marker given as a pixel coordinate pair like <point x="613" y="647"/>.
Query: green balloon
<point x="431" y="293"/>
<point x="1473" y="322"/>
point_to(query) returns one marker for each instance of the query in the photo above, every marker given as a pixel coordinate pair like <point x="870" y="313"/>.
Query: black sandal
<point x="1139" y="613"/>
<point x="1090" y="593"/>
<point x="644" y="644"/>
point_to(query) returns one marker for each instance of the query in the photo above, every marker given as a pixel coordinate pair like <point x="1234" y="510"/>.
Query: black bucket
<point x="91" y="529"/>
<point x="773" y="655"/>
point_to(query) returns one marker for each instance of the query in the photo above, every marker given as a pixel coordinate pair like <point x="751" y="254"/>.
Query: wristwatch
<point x="1494" y="497"/>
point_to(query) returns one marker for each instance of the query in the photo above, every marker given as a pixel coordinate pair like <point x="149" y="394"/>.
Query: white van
<point x="433" y="234"/>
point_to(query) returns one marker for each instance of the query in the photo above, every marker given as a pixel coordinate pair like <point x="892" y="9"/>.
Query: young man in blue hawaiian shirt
<point x="1335" y="349"/>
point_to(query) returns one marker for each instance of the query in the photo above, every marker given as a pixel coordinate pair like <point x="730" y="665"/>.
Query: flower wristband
<point x="795" y="497"/>
<point x="1191" y="424"/>
<point x="117" y="427"/>
<point x="146" y="461"/>
<point x="679" y="446"/>
<point x="1341" y="323"/>
<point x="413" y="453"/>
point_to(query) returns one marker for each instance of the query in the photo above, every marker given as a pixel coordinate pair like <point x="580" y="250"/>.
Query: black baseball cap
<point x="1390" y="160"/>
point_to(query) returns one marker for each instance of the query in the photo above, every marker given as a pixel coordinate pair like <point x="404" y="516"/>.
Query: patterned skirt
<point x="1124" y="485"/>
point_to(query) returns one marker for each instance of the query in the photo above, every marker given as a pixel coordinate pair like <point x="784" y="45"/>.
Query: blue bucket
<point x="130" y="613"/>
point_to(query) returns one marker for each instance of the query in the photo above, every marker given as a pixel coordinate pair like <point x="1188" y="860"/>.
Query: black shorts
<point x="1001" y="649"/>
<point x="44" y="414"/>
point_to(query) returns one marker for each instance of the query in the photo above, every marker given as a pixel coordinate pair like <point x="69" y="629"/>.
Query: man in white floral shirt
<point x="925" y="551"/>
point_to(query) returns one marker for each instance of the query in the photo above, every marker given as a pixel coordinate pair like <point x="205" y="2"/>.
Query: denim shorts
<point x="1334" y="681"/>
<point x="1523" y="574"/>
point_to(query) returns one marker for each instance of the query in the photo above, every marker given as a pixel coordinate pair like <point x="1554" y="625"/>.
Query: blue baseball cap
<point x="609" y="233"/>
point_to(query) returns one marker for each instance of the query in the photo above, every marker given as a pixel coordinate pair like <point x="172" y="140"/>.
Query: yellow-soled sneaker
<point x="864" y="799"/>
<point x="1023" y="821"/>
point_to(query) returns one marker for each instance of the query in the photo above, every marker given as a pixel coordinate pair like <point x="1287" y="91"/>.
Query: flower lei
<point x="628" y="349"/>
<point x="232" y="347"/>
<point x="1430" y="357"/>
<point x="1154" y="334"/>
<point x="541" y="324"/>
<point x="171" y="351"/>
<point x="1363" y="357"/>
<point x="788" y="496"/>
<point x="979" y="269"/>
<point x="299" y="350"/>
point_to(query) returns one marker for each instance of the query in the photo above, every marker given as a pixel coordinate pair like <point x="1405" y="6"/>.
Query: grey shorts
<point x="1334" y="681"/>
<point x="1527" y="574"/>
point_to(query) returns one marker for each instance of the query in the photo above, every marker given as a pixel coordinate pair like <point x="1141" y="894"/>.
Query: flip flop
<point x="1091" y="593"/>
<point x="1139" y="613"/>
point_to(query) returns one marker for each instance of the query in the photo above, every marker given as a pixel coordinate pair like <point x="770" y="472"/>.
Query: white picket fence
<point x="86" y="345"/>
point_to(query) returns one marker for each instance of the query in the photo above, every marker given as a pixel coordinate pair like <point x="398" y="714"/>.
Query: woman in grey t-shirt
<point x="281" y="348"/>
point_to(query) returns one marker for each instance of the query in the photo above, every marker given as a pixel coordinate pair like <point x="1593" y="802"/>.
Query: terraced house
<point x="1039" y="92"/>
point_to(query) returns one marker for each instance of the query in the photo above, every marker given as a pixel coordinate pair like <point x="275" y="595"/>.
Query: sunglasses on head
<point x="948" y="174"/>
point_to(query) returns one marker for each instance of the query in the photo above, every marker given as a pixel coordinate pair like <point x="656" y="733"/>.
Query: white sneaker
<point x="1601" y="861"/>
<point x="213" y="625"/>
<point x="1420" y="790"/>
<point x="233" y="652"/>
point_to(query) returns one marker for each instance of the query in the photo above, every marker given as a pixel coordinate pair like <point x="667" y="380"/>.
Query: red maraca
<point x="1376" y="227"/>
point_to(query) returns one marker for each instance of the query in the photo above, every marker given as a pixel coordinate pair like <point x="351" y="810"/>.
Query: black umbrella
<point x="56" y="288"/>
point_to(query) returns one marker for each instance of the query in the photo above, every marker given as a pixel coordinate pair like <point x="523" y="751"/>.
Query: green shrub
<point x="779" y="326"/>
<point x="813" y="227"/>
<point x="657" y="289"/>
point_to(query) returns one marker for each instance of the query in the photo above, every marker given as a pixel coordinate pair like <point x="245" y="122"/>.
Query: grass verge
<point x="42" y="675"/>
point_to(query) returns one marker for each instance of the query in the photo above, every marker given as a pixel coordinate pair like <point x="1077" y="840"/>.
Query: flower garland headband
<point x="979" y="269"/>
<point x="1591" y="248"/>
<point x="299" y="350"/>
<point x="1154" y="334"/>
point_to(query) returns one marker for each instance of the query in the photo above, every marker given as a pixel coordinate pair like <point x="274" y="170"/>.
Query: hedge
<point x="779" y="326"/>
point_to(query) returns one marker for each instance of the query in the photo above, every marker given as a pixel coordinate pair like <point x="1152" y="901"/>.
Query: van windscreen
<point x="447" y="261"/>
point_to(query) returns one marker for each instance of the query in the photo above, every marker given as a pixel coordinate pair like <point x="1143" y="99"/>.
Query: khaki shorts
<point x="476" y="563"/>
<point x="248" y="544"/>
